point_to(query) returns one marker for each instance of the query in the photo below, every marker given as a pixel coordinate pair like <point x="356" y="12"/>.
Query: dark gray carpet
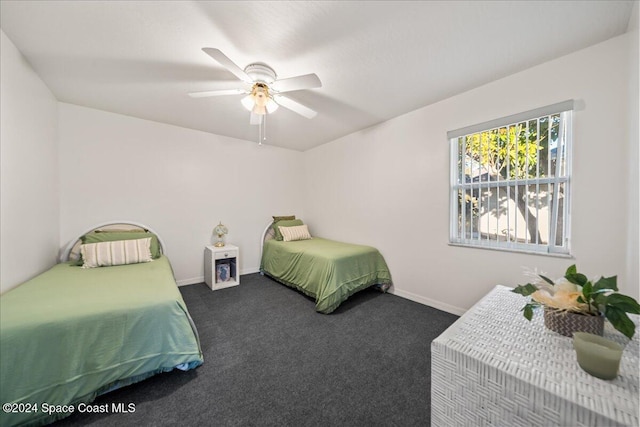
<point x="271" y="360"/>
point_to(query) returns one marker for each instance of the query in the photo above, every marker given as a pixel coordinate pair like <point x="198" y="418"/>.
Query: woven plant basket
<point x="566" y="322"/>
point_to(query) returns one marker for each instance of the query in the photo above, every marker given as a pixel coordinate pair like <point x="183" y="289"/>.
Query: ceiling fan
<point x="263" y="88"/>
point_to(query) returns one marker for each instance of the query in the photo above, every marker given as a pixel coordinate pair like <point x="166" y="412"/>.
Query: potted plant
<point x="575" y="303"/>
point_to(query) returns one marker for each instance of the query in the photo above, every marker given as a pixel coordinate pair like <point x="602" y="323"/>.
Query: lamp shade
<point x="272" y="106"/>
<point x="247" y="102"/>
<point x="220" y="229"/>
<point x="259" y="109"/>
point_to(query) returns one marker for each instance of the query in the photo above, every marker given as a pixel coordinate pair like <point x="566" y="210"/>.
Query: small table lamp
<point x="220" y="230"/>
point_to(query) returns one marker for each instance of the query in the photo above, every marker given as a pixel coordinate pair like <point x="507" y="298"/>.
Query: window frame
<point x="458" y="237"/>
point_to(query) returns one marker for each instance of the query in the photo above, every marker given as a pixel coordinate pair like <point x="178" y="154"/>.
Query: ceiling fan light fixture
<point x="259" y="101"/>
<point x="247" y="102"/>
<point x="271" y="106"/>
<point x="259" y="109"/>
<point x="260" y="94"/>
<point x="265" y="88"/>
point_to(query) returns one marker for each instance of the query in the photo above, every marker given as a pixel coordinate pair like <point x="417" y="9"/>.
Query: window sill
<point x="513" y="250"/>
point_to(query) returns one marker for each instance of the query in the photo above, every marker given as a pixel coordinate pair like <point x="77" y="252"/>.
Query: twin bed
<point x="73" y="333"/>
<point x="326" y="270"/>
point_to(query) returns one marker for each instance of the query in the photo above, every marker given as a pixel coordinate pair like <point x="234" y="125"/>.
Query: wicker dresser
<point x="492" y="367"/>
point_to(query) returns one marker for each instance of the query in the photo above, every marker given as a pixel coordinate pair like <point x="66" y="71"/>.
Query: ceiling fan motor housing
<point x="260" y="72"/>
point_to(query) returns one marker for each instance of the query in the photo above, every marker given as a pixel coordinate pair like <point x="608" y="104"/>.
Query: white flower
<point x="563" y="285"/>
<point x="562" y="300"/>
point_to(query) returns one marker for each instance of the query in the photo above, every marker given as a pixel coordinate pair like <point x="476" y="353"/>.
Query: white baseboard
<point x="428" y="301"/>
<point x="200" y="279"/>
<point x="192" y="281"/>
<point x="398" y="292"/>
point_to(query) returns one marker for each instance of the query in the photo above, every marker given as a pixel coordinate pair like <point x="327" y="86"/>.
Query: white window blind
<point x="510" y="182"/>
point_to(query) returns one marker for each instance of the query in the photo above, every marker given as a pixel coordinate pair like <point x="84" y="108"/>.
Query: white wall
<point x="633" y="159"/>
<point x="179" y="182"/>
<point x="388" y="185"/>
<point x="29" y="205"/>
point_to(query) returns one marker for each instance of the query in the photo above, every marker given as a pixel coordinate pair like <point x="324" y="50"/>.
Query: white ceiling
<point x="376" y="60"/>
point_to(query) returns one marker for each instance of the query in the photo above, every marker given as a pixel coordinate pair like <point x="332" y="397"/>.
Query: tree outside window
<point x="511" y="186"/>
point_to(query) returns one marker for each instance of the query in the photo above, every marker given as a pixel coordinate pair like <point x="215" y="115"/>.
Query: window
<point x="510" y="182"/>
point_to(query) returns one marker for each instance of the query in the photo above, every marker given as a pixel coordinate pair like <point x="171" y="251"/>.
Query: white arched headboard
<point x="266" y="235"/>
<point x="73" y="246"/>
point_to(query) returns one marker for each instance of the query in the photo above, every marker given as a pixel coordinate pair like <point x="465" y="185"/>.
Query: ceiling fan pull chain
<point x="264" y="130"/>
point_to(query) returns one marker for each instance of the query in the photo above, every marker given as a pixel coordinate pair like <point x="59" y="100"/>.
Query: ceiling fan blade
<point x="255" y="119"/>
<point x="295" y="106"/>
<point x="308" y="81"/>
<point x="216" y="93"/>
<point x="223" y="60"/>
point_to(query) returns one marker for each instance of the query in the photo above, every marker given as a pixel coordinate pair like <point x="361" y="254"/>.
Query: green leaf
<point x="599" y="298"/>
<point x="607" y="283"/>
<point x="528" y="311"/>
<point x="574" y="277"/>
<point x="525" y="290"/>
<point x="577" y="278"/>
<point x="546" y="279"/>
<point x="623" y="302"/>
<point x="620" y="321"/>
<point x="581" y="278"/>
<point x="587" y="288"/>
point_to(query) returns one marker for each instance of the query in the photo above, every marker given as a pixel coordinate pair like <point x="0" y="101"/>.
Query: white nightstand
<point x="221" y="266"/>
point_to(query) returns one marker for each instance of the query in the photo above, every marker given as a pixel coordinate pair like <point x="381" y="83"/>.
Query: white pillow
<point x="297" y="232"/>
<point x="118" y="252"/>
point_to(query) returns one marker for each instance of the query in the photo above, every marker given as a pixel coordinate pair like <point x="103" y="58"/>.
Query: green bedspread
<point x="70" y="334"/>
<point x="326" y="270"/>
